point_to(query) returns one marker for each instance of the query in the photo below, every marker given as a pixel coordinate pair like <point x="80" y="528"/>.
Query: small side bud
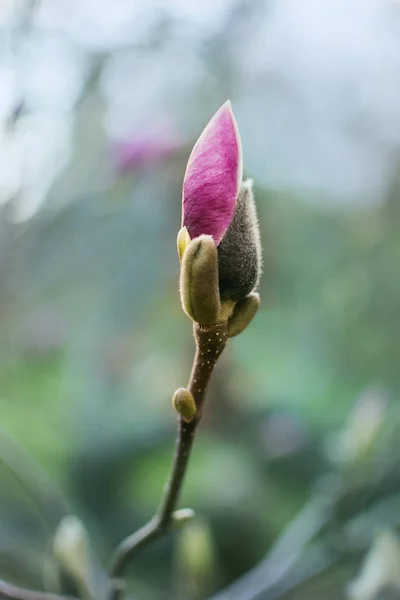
<point x="243" y="314"/>
<point x="199" y="281"/>
<point x="181" y="517"/>
<point x="184" y="404"/>
<point x="182" y="241"/>
<point x="71" y="548"/>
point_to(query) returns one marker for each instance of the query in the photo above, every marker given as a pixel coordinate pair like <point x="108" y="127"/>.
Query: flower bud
<point x="199" y="281"/>
<point x="243" y="313"/>
<point x="217" y="204"/>
<point x="184" y="404"/>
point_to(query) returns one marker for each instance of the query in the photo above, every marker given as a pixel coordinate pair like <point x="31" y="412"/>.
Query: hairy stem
<point x="210" y="342"/>
<point x="13" y="592"/>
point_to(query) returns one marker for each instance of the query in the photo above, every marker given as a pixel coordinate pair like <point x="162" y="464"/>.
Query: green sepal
<point x="243" y="313"/>
<point x="199" y="281"/>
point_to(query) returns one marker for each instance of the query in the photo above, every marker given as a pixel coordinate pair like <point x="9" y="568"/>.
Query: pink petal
<point x="213" y="176"/>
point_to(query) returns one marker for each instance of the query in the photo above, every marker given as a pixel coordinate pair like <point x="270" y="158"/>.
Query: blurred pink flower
<point x="213" y="177"/>
<point x="141" y="150"/>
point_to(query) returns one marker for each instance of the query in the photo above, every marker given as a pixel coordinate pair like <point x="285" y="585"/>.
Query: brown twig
<point x="13" y="592"/>
<point x="210" y="342"/>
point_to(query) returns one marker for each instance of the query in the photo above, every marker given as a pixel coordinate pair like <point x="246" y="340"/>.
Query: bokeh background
<point x="295" y="474"/>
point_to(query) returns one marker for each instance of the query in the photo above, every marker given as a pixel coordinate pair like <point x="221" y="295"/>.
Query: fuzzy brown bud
<point x="239" y="253"/>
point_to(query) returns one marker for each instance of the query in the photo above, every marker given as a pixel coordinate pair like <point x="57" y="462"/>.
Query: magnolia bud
<point x="184" y="404"/>
<point x="239" y="253"/>
<point x="199" y="281"/>
<point x="243" y="313"/>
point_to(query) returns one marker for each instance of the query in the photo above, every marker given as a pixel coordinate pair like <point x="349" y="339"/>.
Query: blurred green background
<point x="100" y="105"/>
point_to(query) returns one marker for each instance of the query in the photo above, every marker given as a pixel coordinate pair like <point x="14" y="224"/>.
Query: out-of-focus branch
<point x="48" y="504"/>
<point x="314" y="561"/>
<point x="297" y="556"/>
<point x="285" y="556"/>
<point x="13" y="592"/>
